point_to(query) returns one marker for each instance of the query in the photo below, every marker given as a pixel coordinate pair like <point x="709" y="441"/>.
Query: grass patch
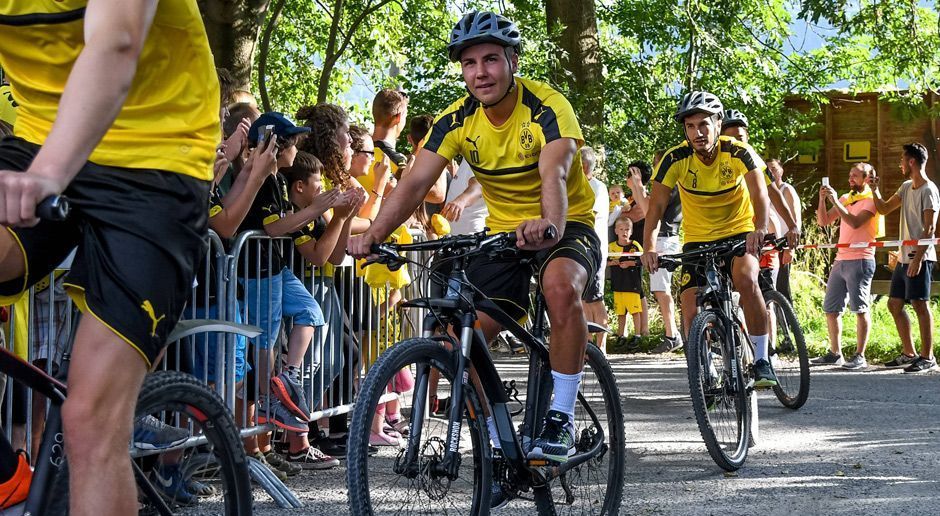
<point x="883" y="342"/>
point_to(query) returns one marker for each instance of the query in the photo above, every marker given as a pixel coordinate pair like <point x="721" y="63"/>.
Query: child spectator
<point x="272" y="285"/>
<point x="626" y="282"/>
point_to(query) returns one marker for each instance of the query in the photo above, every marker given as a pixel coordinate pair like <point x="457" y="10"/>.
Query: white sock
<point x="566" y="392"/>
<point x="494" y="435"/>
<point x="760" y="347"/>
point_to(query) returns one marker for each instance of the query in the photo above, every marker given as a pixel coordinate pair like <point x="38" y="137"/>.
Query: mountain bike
<point x="720" y="357"/>
<point x="212" y="451"/>
<point x="448" y="466"/>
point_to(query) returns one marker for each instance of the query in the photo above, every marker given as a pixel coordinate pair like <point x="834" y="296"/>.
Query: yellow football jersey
<point x="505" y="159"/>
<point x="170" y="119"/>
<point x="715" y="200"/>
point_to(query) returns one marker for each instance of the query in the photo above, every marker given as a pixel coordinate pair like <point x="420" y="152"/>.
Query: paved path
<point x="865" y="443"/>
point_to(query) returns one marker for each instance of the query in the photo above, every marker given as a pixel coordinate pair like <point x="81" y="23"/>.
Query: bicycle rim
<point x="596" y="486"/>
<point x="719" y="398"/>
<point x="379" y="484"/>
<point x="217" y="461"/>
<point x="787" y="352"/>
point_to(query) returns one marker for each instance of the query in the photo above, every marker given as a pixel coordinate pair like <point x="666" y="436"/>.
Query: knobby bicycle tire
<point x="586" y="502"/>
<point x="698" y="358"/>
<point x="174" y="392"/>
<point x="792" y="343"/>
<point x="360" y="465"/>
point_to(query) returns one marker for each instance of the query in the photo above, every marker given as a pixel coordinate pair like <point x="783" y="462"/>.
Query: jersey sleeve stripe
<point x="505" y="171"/>
<point x="744" y="156"/>
<point x="449" y="122"/>
<point x="542" y="115"/>
<point x="671" y="158"/>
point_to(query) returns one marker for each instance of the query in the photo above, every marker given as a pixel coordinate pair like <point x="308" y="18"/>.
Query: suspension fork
<point x="451" y="463"/>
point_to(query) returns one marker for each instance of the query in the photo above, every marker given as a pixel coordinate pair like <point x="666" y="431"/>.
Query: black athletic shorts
<point x="693" y="276"/>
<point x="140" y="234"/>
<point x="506" y="281"/>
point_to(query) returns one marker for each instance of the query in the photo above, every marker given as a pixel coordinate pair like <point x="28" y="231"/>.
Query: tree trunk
<point x="331" y="55"/>
<point x="232" y="27"/>
<point x="573" y="26"/>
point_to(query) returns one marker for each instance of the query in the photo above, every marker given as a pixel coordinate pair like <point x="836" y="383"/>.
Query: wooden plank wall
<point x="862" y="117"/>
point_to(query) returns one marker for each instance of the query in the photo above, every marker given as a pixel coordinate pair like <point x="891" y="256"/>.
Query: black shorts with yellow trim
<point x="139" y="233"/>
<point x="693" y="274"/>
<point x="506" y="281"/>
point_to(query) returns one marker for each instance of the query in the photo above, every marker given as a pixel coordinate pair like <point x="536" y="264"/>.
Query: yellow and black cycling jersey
<point x="505" y="159"/>
<point x="715" y="199"/>
<point x="170" y="119"/>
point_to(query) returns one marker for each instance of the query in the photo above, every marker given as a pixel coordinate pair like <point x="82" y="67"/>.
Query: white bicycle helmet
<point x="698" y="102"/>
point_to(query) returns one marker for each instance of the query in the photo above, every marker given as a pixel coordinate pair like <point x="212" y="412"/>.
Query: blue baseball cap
<point x="283" y="127"/>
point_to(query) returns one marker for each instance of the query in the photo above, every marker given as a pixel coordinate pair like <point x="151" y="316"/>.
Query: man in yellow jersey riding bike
<point x="724" y="187"/>
<point x="522" y="140"/>
<point x="118" y="111"/>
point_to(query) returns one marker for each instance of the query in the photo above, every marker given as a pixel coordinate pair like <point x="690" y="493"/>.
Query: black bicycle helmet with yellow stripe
<point x="478" y="27"/>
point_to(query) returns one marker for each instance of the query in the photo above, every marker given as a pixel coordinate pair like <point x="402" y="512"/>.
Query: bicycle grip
<point x="54" y="208"/>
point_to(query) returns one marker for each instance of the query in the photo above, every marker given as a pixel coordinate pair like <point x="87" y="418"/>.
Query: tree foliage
<point x="749" y="52"/>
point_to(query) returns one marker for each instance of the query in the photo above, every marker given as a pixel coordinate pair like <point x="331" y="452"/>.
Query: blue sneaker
<point x="556" y="442"/>
<point x="168" y="481"/>
<point x="152" y="434"/>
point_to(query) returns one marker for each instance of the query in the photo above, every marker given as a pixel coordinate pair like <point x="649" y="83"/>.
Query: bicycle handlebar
<point x="478" y="243"/>
<point x="727" y="248"/>
<point x="54" y="208"/>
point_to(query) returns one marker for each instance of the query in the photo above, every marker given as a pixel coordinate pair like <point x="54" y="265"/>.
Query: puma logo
<point x="453" y="120"/>
<point x="538" y="114"/>
<point x="153" y="316"/>
<point x="473" y="142"/>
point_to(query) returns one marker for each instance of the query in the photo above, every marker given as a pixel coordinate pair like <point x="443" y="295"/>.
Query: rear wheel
<point x="720" y="399"/>
<point x="388" y="483"/>
<point x="787" y="351"/>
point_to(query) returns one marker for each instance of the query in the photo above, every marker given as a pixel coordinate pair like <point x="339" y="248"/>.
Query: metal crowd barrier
<point x="360" y="323"/>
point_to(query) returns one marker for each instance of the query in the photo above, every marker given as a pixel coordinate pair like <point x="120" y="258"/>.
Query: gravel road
<point x="864" y="443"/>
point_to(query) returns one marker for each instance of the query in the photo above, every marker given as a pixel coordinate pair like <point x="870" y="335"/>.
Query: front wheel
<point x="720" y="397"/>
<point x="391" y="481"/>
<point x="218" y="464"/>
<point x="787" y="351"/>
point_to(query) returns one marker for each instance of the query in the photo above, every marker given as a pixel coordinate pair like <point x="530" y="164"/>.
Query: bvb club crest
<point x="526" y="139"/>
<point x="726" y="174"/>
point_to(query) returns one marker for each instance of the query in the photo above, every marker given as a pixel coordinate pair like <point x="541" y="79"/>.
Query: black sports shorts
<point x="139" y="234"/>
<point x="506" y="281"/>
<point x="693" y="275"/>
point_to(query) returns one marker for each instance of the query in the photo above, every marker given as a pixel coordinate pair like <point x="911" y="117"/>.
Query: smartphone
<point x="267" y="132"/>
<point x="825" y="181"/>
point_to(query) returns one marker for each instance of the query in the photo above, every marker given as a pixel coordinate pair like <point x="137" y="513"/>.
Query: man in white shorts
<point x="661" y="280"/>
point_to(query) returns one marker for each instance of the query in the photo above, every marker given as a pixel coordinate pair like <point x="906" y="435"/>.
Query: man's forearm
<point x="781" y="205"/>
<point x="398" y="206"/>
<point x="555" y="200"/>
